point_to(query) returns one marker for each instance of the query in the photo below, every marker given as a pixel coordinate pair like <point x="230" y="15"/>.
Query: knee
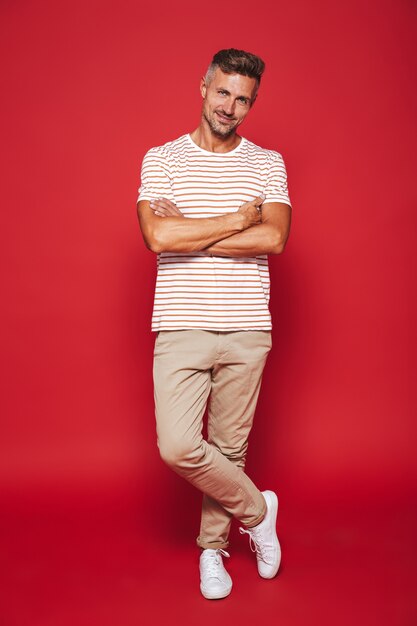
<point x="179" y="453"/>
<point x="236" y="455"/>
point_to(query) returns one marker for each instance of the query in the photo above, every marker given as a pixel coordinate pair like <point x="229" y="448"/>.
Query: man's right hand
<point x="251" y="212"/>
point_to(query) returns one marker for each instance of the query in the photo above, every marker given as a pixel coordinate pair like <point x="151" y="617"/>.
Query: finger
<point x="161" y="211"/>
<point x="172" y="209"/>
<point x="259" y="200"/>
<point x="158" y="213"/>
<point x="158" y="203"/>
<point x="166" y="211"/>
<point x="164" y="202"/>
<point x="168" y="207"/>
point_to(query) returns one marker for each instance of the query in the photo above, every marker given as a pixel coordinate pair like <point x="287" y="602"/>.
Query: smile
<point x="224" y="119"/>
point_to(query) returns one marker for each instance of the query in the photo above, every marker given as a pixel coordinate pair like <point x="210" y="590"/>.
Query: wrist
<point x="241" y="221"/>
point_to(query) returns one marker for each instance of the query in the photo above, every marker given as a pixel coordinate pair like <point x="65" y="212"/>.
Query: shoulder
<point x="272" y="156"/>
<point x="169" y="148"/>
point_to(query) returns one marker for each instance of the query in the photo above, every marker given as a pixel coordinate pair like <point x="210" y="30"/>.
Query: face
<point x="227" y="101"/>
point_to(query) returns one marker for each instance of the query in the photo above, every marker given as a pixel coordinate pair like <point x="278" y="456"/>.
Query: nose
<point x="229" y="107"/>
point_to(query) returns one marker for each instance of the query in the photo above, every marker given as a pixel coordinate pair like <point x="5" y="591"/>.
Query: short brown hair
<point x="232" y="61"/>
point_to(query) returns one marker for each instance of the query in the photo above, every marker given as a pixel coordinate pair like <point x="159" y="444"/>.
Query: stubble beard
<point x="218" y="129"/>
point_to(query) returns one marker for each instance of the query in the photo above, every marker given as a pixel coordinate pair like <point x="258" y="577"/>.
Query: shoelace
<point x="212" y="560"/>
<point x="256" y="544"/>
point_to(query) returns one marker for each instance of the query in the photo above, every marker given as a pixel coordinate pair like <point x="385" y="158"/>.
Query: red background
<point x="91" y="515"/>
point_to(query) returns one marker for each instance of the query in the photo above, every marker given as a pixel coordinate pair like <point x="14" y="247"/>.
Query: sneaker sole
<point x="212" y="596"/>
<point x="274" y="509"/>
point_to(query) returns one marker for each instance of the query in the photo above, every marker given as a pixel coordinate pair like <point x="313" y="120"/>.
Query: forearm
<point x="178" y="234"/>
<point x="258" y="239"/>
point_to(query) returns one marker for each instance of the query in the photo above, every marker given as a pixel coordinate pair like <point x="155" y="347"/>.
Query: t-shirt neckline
<point x="217" y="154"/>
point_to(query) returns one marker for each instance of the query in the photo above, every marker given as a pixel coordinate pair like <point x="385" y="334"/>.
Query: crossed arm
<point x="267" y="237"/>
<point x="246" y="232"/>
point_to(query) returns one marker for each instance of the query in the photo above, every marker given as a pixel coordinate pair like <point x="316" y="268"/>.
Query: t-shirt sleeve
<point x="276" y="189"/>
<point x="154" y="178"/>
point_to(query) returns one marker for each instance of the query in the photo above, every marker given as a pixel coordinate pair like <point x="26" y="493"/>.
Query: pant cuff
<point x="211" y="544"/>
<point x="259" y="519"/>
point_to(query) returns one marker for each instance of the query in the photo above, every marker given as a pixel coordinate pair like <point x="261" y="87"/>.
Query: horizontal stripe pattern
<point x="198" y="290"/>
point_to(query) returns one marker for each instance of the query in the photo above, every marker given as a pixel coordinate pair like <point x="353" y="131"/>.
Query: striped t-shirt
<point x="198" y="289"/>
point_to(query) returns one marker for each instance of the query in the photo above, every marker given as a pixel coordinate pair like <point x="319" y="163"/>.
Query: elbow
<point x="278" y="244"/>
<point x="153" y="248"/>
<point x="154" y="241"/>
<point x="154" y="245"/>
<point x="152" y="233"/>
<point x="151" y="242"/>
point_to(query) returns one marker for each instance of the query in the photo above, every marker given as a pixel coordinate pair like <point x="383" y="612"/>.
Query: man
<point x="213" y="205"/>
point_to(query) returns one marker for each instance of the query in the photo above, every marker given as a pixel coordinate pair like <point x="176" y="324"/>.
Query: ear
<point x="203" y="87"/>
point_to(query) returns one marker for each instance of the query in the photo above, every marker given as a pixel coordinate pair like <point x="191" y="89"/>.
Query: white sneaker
<point x="215" y="580"/>
<point x="264" y="538"/>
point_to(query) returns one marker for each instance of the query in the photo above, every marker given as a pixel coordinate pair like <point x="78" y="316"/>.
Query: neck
<point x="204" y="137"/>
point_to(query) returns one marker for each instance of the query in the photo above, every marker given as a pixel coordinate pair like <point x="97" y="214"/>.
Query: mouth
<point x="224" y="119"/>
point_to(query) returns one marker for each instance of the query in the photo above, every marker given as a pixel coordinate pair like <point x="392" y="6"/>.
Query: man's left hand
<point x="165" y="208"/>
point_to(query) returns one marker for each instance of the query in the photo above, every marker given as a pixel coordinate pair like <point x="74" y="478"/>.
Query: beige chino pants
<point x="189" y="366"/>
